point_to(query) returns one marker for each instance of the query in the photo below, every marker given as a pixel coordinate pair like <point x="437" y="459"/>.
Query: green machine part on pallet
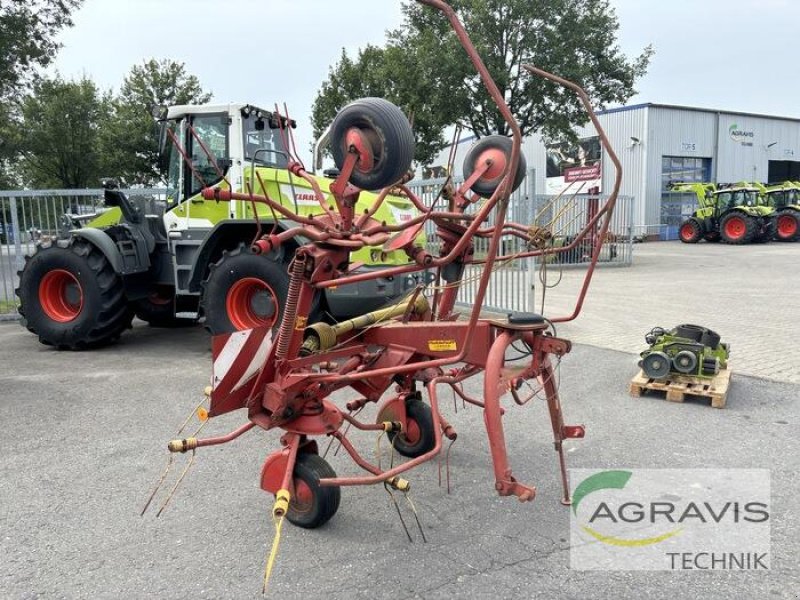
<point x="686" y="350"/>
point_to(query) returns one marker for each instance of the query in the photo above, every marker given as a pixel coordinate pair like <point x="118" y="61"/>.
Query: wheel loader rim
<point x="54" y="299"/>
<point x="735" y="228"/>
<point x="687" y="231"/>
<point x="787" y="226"/>
<point x="238" y="304"/>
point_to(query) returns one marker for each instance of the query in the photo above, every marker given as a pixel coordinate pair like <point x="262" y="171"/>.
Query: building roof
<point x="645" y="105"/>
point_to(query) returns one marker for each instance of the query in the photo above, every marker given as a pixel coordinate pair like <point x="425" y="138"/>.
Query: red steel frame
<point x="430" y="346"/>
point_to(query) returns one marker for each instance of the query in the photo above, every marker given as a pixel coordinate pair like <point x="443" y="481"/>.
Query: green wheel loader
<point x="83" y="289"/>
<point x="784" y="199"/>
<point x="736" y="214"/>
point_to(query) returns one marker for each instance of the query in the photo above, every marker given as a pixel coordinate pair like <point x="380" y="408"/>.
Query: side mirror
<point x="159" y="112"/>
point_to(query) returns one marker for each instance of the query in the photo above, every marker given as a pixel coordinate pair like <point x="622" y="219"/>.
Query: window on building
<point x="677" y="206"/>
<point x="676" y="169"/>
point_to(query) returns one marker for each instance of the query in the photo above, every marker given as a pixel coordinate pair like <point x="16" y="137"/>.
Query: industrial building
<point x="661" y="144"/>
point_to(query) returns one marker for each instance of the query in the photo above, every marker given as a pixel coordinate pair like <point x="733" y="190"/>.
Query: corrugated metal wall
<point x="772" y="139"/>
<point x="676" y="132"/>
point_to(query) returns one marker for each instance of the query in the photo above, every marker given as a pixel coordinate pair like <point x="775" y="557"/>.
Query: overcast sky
<point x="726" y="54"/>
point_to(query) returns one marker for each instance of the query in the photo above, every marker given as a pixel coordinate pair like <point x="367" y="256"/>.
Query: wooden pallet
<point x="677" y="387"/>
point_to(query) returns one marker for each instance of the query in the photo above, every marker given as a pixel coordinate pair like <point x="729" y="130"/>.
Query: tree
<point x="422" y="64"/>
<point x="59" y="134"/>
<point x="27" y="32"/>
<point x="129" y="137"/>
<point x="9" y="145"/>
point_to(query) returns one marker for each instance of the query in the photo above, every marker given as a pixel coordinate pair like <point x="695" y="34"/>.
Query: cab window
<point x="207" y="163"/>
<point x="262" y="144"/>
<point x="175" y="165"/>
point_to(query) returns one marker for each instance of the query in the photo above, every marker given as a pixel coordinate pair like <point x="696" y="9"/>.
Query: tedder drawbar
<point x="285" y="378"/>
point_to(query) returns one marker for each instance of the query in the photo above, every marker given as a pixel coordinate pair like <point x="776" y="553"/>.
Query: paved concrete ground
<point x="748" y="294"/>
<point x="83" y="438"/>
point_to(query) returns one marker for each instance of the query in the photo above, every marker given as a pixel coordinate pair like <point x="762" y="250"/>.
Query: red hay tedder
<point x="285" y="378"/>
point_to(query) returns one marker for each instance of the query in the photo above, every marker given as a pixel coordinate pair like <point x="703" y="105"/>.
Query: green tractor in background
<point x="684" y="350"/>
<point x="784" y="199"/>
<point x="194" y="260"/>
<point x="736" y="214"/>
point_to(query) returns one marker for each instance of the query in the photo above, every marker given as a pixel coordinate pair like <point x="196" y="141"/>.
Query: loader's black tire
<point x="498" y="149"/>
<point x="691" y="231"/>
<point x="312" y="505"/>
<point x="72" y="298"/>
<point x="738" y="228"/>
<point x="158" y="309"/>
<point x="383" y="136"/>
<point x="787" y="226"/>
<point x="244" y="290"/>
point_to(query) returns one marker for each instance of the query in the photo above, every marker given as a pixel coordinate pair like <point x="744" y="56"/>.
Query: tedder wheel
<point x="737" y="228"/>
<point x="72" y="298"/>
<point x="244" y="291"/>
<point x="691" y="231"/>
<point x="312" y="505"/>
<point x="417" y="438"/>
<point x="158" y="309"/>
<point x="383" y="138"/>
<point x="787" y="226"/>
<point x="496" y="148"/>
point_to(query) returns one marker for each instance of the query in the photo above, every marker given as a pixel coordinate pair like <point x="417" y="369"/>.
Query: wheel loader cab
<point x="204" y="144"/>
<point x="199" y="153"/>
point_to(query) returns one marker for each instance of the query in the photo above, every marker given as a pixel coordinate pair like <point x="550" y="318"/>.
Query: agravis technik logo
<point x="613" y="480"/>
<point x="745" y="138"/>
<point x="670" y="519"/>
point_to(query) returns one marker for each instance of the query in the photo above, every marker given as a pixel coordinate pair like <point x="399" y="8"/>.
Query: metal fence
<point x="511" y="286"/>
<point x="28" y="216"/>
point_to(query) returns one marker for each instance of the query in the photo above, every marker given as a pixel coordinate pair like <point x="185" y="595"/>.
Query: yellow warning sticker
<point x="442" y="345"/>
<point x="300" y="323"/>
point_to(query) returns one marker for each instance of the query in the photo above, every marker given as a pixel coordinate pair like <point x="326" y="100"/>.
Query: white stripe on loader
<point x="258" y="361"/>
